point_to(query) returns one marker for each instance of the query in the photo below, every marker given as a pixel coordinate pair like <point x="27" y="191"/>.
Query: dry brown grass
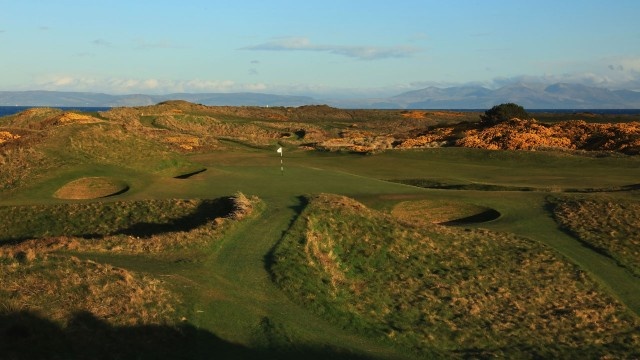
<point x="6" y="136"/>
<point x="358" y="141"/>
<point x="183" y="142"/>
<point x="243" y="206"/>
<point x="516" y="135"/>
<point x="434" y="138"/>
<point x="531" y="135"/>
<point x="415" y="114"/>
<point x="73" y="118"/>
<point x="58" y="287"/>
<point x="20" y="165"/>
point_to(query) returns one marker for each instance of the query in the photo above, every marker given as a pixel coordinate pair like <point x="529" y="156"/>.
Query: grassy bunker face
<point x="443" y="212"/>
<point x="91" y="188"/>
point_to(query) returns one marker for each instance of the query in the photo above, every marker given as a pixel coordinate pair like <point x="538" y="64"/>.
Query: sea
<point x="10" y="110"/>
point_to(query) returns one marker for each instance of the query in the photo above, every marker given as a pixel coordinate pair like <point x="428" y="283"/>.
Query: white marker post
<point x="281" y="162"/>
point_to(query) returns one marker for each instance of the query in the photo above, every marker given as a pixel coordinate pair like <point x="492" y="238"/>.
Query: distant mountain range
<point x="530" y="96"/>
<point x="89" y="99"/>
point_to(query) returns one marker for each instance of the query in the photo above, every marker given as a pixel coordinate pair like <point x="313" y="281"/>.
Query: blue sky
<point x="321" y="48"/>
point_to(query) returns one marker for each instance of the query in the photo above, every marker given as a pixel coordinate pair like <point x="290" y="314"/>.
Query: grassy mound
<point x="91" y="188"/>
<point x="616" y="234"/>
<point x="446" y="292"/>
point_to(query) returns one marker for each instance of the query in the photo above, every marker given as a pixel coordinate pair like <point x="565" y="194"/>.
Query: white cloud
<point x="623" y="74"/>
<point x="147" y="86"/>
<point x="357" y="52"/>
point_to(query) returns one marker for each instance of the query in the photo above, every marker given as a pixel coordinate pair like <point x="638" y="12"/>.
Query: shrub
<point x="503" y="112"/>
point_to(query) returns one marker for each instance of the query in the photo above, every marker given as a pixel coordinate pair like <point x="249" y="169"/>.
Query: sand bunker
<point x="91" y="188"/>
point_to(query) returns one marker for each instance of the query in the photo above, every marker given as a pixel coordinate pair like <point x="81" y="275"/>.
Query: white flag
<point x="279" y="150"/>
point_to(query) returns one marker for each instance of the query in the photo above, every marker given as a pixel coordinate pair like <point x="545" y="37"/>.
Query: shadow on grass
<point x="188" y="175"/>
<point x="269" y="259"/>
<point x="207" y="211"/>
<point x="24" y="335"/>
<point x="485" y="216"/>
<point x="437" y="184"/>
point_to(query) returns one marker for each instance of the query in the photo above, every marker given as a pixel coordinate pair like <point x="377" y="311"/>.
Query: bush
<point x="503" y="112"/>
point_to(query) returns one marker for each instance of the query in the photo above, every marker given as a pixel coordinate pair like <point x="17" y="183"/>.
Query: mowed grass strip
<point x="447" y="292"/>
<point x="610" y="227"/>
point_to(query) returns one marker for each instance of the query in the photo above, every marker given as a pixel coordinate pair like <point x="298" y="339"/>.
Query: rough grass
<point x="610" y="227"/>
<point x="58" y="287"/>
<point x="50" y="300"/>
<point x="447" y="292"/>
<point x="112" y="145"/>
<point x="144" y="226"/>
<point x="21" y="165"/>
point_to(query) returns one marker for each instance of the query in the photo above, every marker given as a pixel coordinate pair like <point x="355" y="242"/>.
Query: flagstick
<point x="281" y="162"/>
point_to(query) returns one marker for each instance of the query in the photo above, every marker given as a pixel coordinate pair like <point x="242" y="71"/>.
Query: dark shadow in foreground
<point x="25" y="335"/>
